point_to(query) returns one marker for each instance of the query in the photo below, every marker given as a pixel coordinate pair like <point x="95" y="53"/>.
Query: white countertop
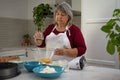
<point x="89" y="73"/>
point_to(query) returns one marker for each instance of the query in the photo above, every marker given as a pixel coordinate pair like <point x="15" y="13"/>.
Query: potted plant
<point x="26" y="38"/>
<point x="40" y="12"/>
<point x="112" y="29"/>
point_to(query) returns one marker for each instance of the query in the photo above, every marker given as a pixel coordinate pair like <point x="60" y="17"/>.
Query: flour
<point x="48" y="69"/>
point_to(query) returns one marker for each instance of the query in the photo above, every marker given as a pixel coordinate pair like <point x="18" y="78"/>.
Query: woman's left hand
<point x="72" y="52"/>
<point x="59" y="51"/>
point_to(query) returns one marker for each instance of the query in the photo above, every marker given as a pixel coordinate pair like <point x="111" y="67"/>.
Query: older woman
<point x="62" y="38"/>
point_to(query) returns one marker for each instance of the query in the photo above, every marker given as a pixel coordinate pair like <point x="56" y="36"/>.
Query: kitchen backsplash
<point x="11" y="31"/>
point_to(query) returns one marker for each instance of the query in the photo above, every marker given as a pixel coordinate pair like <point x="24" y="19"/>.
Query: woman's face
<point x="61" y="18"/>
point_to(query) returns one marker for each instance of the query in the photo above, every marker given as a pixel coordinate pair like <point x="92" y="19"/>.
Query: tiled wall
<point x="11" y="31"/>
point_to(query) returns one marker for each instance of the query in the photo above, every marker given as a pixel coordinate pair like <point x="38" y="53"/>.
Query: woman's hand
<point x="59" y="51"/>
<point x="38" y="37"/>
<point x="66" y="51"/>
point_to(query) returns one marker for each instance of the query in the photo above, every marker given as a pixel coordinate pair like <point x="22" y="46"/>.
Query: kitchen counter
<point x="88" y="73"/>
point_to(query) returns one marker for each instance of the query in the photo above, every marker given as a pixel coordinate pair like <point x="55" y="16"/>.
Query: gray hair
<point x="66" y="8"/>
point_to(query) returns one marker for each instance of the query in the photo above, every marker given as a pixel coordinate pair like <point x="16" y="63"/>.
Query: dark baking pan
<point x="8" y="70"/>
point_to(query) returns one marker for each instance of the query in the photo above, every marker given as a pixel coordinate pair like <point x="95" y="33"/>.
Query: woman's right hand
<point x="38" y="37"/>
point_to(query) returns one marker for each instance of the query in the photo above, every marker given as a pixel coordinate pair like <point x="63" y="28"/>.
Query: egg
<point x="45" y="60"/>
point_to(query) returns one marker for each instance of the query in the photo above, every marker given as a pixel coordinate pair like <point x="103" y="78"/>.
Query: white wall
<point x="94" y="14"/>
<point x="20" y="9"/>
<point x="14" y="9"/>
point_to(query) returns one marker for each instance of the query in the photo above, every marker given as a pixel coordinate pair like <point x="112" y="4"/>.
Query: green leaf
<point x="118" y="49"/>
<point x="110" y="23"/>
<point x="117" y="28"/>
<point x="110" y="48"/>
<point x="108" y="26"/>
<point x="114" y="41"/>
<point x="118" y="40"/>
<point x="105" y="29"/>
<point x="112" y="34"/>
<point x="116" y="12"/>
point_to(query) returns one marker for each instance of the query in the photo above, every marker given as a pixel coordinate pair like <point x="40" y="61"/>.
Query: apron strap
<point x="66" y="29"/>
<point x="54" y="28"/>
